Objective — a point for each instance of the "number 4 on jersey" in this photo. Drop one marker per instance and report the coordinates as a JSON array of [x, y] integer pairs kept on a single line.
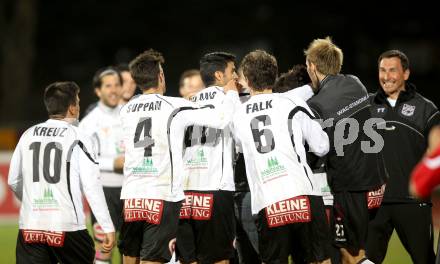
[[144, 125]]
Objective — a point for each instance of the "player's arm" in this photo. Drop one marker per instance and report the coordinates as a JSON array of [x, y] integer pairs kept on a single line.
[[92, 189], [313, 134], [218, 117], [426, 175], [304, 92], [106, 163], [15, 176]]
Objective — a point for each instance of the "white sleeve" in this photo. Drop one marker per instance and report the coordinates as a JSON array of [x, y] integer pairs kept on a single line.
[[218, 117], [15, 176], [304, 92], [313, 134], [92, 187]]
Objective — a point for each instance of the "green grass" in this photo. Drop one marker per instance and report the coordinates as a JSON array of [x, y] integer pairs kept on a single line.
[[396, 252]]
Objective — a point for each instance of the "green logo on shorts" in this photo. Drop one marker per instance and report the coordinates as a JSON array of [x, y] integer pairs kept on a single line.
[[274, 170], [146, 169]]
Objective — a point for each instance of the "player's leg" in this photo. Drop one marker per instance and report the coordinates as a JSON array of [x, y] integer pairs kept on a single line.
[[246, 231], [115, 206], [315, 236], [380, 229], [78, 248], [414, 227], [130, 240], [157, 237], [273, 242], [215, 235], [351, 225], [186, 244]]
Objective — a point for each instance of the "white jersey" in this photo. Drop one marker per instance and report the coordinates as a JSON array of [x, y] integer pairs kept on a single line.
[[50, 169], [209, 153], [153, 127], [319, 180], [272, 130], [104, 127]]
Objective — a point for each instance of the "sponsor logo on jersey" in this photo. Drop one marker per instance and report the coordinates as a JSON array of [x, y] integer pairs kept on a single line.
[[408, 110], [273, 171], [139, 209], [197, 206], [53, 239], [197, 162], [292, 210], [147, 169], [47, 202], [375, 197]]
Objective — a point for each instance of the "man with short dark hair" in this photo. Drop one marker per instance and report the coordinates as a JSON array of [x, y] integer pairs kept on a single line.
[[208, 174], [103, 126], [271, 129], [52, 166], [152, 190], [408, 119]]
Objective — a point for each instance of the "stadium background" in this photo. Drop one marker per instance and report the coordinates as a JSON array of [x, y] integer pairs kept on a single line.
[[45, 41]]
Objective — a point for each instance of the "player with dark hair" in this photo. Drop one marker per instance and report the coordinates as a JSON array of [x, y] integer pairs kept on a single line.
[[152, 190], [52, 167]]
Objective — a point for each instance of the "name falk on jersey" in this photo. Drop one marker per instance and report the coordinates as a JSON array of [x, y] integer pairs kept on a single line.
[[258, 106], [49, 131], [149, 106]]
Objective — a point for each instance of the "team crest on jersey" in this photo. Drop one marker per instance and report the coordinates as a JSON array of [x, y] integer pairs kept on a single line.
[[292, 210], [375, 197], [139, 209], [47, 202], [53, 239], [197, 206], [199, 161], [408, 110], [147, 169], [273, 171]]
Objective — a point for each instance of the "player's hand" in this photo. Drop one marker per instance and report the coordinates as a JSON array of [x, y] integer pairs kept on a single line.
[[118, 164], [108, 243], [172, 245], [232, 85]]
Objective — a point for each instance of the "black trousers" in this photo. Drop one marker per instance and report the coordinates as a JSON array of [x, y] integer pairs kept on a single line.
[[413, 224]]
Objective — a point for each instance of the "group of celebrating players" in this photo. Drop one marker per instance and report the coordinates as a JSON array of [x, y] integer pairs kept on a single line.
[[257, 165]]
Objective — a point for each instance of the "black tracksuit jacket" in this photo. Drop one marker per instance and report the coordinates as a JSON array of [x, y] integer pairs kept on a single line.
[[405, 137]]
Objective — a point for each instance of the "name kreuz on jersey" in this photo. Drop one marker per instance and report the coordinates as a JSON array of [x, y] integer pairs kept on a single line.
[[292, 210]]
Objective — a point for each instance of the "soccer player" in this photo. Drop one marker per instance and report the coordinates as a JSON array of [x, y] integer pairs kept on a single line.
[[206, 232], [341, 101], [152, 190], [190, 83], [272, 129], [51, 167], [408, 118], [103, 125]]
